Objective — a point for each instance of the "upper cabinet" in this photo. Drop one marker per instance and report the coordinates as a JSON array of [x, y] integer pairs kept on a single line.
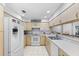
[[35, 24], [28, 26], [72, 13], [1, 18], [44, 26], [55, 21]]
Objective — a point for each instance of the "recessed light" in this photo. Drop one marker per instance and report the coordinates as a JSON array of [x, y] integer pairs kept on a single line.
[[48, 11]]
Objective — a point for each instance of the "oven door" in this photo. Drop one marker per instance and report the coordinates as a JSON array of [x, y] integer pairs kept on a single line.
[[35, 41]]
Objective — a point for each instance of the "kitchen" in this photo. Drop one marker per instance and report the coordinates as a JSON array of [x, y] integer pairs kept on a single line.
[[38, 29]]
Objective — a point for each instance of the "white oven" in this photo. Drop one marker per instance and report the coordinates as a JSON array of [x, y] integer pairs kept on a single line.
[[35, 37]]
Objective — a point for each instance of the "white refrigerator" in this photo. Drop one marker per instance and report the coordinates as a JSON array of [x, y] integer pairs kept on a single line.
[[13, 42]]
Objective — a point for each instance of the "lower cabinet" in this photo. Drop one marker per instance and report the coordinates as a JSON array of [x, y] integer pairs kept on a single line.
[[42, 40], [61, 52], [53, 49], [28, 40], [1, 43], [48, 46]]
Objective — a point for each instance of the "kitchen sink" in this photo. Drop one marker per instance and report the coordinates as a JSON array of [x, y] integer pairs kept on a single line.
[[54, 38]]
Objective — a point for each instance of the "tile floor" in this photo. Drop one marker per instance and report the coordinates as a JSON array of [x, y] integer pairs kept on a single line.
[[35, 51]]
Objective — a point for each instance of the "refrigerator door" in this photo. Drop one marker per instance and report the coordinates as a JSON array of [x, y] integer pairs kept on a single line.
[[16, 46]]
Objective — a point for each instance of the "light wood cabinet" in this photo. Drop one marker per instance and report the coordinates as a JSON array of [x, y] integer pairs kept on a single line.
[[69, 15], [1, 18], [29, 26], [42, 40], [1, 30], [44, 26], [61, 53], [36, 25], [48, 46], [28, 40], [1, 43]]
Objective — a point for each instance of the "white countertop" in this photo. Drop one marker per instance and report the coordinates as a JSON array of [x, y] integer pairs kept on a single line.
[[69, 47]]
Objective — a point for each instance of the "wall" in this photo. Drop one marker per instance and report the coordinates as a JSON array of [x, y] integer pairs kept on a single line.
[[1, 29]]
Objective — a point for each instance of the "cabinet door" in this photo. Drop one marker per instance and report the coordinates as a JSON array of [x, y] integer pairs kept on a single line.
[[1, 43], [28, 40], [42, 41], [61, 52], [53, 49], [28, 26], [70, 14], [1, 18], [1, 30], [35, 25], [44, 26]]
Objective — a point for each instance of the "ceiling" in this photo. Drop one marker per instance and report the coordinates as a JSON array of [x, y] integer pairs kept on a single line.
[[35, 11]]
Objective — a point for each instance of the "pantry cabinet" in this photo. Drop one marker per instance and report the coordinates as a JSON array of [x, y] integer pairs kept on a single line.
[[1, 29], [1, 18], [1, 43]]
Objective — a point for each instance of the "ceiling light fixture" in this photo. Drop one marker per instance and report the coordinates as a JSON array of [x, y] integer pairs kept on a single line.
[[48, 11]]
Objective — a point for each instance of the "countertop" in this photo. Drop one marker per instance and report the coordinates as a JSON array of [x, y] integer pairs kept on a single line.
[[68, 46]]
